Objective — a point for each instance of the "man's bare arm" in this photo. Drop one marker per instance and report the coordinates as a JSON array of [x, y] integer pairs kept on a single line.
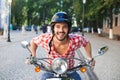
[[33, 48]]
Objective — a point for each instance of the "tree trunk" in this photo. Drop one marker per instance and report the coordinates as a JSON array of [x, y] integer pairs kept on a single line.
[[111, 24]]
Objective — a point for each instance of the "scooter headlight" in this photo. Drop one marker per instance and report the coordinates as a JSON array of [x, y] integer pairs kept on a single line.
[[59, 65]]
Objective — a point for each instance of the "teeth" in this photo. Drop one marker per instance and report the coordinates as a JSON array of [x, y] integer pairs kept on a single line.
[[61, 34]]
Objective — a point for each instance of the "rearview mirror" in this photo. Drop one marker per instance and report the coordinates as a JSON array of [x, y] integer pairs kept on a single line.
[[25, 44], [102, 50]]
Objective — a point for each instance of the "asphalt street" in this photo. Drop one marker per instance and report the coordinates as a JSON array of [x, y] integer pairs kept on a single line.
[[12, 57]]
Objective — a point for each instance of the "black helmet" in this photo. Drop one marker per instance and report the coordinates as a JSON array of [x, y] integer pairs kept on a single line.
[[61, 17]]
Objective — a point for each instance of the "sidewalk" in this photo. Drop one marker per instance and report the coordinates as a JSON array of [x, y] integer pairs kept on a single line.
[[16, 36]]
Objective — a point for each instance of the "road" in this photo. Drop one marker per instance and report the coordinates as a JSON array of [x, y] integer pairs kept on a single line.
[[12, 58]]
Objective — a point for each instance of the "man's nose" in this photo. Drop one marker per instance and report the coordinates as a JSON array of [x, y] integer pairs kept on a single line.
[[61, 29]]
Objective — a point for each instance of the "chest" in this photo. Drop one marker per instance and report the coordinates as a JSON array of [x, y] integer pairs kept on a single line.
[[62, 49]]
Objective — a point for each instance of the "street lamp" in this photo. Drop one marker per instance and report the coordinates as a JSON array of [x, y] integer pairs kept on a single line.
[[84, 1], [9, 2]]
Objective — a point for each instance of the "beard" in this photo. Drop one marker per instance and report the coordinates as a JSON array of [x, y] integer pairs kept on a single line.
[[61, 36]]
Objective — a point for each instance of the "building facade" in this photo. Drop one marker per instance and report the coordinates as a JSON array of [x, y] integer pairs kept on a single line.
[[4, 16], [115, 31]]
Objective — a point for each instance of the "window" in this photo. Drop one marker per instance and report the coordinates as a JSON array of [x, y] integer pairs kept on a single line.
[[116, 21]]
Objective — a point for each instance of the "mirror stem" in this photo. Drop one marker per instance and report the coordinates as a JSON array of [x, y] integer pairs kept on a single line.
[[29, 50]]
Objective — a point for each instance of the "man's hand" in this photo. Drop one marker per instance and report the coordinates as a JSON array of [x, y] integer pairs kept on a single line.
[[92, 62], [27, 61], [33, 60]]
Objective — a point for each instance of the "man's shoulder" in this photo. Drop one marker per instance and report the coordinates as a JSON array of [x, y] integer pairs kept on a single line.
[[74, 35]]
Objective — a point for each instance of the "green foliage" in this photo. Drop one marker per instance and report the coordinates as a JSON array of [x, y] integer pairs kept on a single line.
[[28, 12], [19, 12]]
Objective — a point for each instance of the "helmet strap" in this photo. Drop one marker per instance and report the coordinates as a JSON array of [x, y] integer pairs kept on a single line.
[[50, 44]]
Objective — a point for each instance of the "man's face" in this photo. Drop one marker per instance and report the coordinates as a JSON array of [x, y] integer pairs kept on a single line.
[[61, 31]]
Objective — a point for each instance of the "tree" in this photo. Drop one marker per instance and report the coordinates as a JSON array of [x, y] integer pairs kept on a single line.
[[18, 12], [37, 11]]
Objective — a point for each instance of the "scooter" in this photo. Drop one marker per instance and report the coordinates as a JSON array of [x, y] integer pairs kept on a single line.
[[59, 66]]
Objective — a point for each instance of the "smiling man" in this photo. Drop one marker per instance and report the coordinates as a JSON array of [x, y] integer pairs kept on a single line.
[[61, 31], [60, 43]]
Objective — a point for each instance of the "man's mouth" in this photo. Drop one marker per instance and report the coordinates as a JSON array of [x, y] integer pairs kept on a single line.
[[61, 34]]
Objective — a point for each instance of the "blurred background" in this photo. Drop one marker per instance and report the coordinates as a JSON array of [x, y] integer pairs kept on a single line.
[[101, 16]]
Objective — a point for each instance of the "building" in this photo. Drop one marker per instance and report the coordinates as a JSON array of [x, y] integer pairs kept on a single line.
[[113, 33], [4, 16]]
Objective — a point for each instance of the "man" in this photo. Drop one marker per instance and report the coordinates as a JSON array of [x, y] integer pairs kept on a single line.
[[60, 43]]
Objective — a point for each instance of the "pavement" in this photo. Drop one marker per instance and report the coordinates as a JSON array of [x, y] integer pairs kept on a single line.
[[16, 36], [12, 57]]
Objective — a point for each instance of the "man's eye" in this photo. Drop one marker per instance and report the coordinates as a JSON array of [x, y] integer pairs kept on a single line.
[[57, 26], [65, 26]]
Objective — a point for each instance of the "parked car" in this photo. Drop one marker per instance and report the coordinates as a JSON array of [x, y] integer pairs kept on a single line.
[[29, 28], [89, 29], [86, 29], [16, 27], [75, 29]]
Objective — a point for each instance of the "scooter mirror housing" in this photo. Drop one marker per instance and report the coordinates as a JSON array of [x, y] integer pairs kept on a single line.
[[102, 50], [25, 44]]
